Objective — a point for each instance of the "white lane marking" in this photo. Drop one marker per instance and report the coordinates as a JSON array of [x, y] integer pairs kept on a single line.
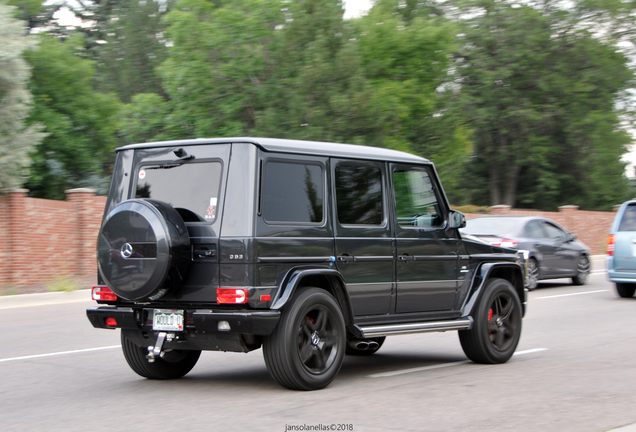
[[417, 369], [443, 365], [58, 353], [50, 303], [530, 351], [573, 294]]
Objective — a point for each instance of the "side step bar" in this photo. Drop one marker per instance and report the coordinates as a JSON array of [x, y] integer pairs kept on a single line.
[[422, 327]]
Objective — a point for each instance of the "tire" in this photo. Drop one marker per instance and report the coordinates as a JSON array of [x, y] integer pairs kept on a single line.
[[349, 350], [625, 290], [307, 347], [582, 270], [171, 365], [533, 274], [496, 329]]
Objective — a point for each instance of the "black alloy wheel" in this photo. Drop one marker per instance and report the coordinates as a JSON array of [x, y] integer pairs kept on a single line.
[[582, 270], [496, 329], [533, 273], [306, 350]]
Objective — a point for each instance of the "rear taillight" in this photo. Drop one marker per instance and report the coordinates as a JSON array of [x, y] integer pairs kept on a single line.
[[507, 243], [611, 239], [103, 293], [232, 295]]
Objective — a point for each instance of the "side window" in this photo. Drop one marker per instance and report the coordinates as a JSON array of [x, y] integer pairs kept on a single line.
[[415, 199], [554, 232], [292, 192], [534, 230], [628, 222], [359, 194]]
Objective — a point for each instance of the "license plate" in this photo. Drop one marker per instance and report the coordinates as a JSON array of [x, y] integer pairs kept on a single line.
[[167, 320]]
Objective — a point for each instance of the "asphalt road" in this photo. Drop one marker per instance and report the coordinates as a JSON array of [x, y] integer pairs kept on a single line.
[[574, 370]]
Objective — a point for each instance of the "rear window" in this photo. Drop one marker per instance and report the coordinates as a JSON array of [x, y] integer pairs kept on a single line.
[[490, 226], [193, 186], [628, 222]]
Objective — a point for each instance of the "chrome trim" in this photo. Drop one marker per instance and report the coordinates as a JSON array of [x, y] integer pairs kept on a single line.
[[421, 327]]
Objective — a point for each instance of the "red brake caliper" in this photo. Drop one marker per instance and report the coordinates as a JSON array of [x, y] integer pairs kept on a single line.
[[490, 313]]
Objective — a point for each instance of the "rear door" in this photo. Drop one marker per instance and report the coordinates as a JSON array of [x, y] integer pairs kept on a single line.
[[363, 237]]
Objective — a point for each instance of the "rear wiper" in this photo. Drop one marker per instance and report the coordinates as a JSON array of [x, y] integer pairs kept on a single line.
[[183, 157]]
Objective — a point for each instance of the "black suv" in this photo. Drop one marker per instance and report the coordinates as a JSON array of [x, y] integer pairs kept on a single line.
[[310, 250]]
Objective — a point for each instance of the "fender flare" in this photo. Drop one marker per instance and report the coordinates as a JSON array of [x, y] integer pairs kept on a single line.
[[294, 276], [511, 272]]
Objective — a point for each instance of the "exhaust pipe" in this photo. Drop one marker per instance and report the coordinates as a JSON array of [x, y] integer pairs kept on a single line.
[[372, 345], [359, 344]]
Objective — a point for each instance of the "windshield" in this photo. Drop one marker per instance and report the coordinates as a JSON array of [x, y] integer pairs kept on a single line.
[[193, 186], [490, 226]]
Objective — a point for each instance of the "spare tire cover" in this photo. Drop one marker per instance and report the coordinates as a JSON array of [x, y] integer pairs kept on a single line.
[[140, 244]]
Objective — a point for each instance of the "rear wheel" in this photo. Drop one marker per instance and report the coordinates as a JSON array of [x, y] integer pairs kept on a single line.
[[306, 350], [496, 329], [170, 365], [582, 271], [625, 289]]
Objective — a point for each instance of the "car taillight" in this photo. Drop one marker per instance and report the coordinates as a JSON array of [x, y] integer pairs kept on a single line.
[[232, 295], [103, 293], [611, 239], [507, 243]]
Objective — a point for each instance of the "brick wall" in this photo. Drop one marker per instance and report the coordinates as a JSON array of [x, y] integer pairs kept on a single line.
[[45, 240], [42, 240], [591, 227]]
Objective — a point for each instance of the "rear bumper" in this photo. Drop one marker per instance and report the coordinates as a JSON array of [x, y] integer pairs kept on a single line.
[[197, 320], [620, 276]]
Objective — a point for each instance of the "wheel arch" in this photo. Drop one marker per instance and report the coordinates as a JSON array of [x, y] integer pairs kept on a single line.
[[328, 279], [509, 271]]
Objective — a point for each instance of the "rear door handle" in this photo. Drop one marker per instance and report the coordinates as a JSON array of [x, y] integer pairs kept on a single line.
[[405, 258]]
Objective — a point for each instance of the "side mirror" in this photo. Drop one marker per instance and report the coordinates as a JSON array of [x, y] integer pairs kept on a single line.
[[571, 237], [456, 220]]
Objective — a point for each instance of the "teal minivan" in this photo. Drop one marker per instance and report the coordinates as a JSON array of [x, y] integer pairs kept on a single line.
[[621, 250]]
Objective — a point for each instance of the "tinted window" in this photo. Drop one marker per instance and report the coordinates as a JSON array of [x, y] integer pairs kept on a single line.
[[628, 222], [534, 230], [415, 199], [292, 192], [359, 194], [192, 186]]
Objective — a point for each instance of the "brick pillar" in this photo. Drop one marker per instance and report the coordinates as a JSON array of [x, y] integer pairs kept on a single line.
[[501, 209], [16, 262], [82, 200]]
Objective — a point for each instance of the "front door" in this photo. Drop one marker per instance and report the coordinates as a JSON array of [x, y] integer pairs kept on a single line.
[[427, 253]]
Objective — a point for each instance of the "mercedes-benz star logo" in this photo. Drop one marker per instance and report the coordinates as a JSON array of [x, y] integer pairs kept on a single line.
[[126, 250]]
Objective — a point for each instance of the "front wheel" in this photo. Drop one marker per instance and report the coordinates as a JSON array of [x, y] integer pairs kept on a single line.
[[582, 271], [170, 365], [533, 274], [307, 347], [625, 290], [496, 329]]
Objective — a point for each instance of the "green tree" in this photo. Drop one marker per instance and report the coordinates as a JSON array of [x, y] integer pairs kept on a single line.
[[539, 90], [81, 123], [16, 138]]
